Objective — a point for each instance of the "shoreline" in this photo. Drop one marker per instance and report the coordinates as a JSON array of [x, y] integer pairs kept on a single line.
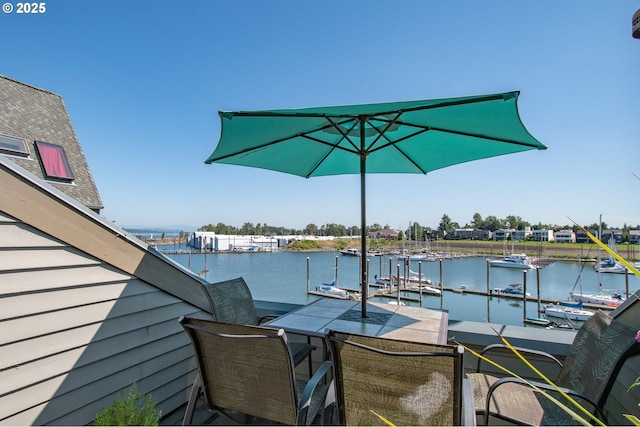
[[490, 248]]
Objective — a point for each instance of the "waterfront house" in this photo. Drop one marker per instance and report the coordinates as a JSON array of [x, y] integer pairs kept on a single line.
[[618, 236], [385, 233], [564, 236], [582, 237], [85, 308], [502, 234], [542, 236], [634, 237], [521, 235], [460, 234]]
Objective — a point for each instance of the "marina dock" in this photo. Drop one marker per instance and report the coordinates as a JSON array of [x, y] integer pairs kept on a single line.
[[412, 294]]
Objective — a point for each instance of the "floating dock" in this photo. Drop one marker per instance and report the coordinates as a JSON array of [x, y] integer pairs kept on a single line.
[[383, 291]]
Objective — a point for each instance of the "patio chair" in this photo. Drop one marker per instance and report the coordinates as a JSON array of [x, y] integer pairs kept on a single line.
[[231, 302], [407, 383], [599, 350], [249, 370]]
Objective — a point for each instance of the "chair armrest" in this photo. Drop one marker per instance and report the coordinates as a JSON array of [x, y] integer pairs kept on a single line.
[[468, 407], [541, 385], [307, 393], [267, 317], [525, 351]]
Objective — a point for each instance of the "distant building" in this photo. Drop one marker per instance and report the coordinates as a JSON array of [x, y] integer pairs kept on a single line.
[[521, 235], [542, 236], [460, 234], [564, 236], [634, 237], [582, 237], [385, 233], [617, 234], [482, 235], [502, 234], [210, 241]]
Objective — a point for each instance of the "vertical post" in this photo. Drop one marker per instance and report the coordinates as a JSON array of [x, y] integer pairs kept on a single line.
[[364, 283], [335, 276], [368, 268], [420, 280], [441, 287], [308, 275], [488, 278], [538, 287], [626, 282], [488, 291], [398, 288], [524, 295], [390, 274]]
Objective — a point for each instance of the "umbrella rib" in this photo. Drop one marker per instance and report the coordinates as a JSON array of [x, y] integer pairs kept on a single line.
[[382, 133], [300, 134], [449, 103]]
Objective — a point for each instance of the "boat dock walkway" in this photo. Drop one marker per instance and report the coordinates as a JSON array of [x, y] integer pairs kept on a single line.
[[413, 294]]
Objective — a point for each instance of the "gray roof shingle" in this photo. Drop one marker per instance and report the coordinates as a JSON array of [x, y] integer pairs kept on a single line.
[[34, 114]]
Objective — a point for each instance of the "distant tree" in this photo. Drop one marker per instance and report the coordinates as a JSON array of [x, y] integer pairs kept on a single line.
[[311, 229], [477, 221], [208, 227], [515, 222], [247, 229], [492, 223], [446, 225]]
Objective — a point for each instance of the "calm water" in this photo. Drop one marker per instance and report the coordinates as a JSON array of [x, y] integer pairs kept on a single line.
[[282, 277]]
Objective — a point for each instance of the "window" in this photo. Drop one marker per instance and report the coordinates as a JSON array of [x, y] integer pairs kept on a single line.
[[13, 145], [54, 161]]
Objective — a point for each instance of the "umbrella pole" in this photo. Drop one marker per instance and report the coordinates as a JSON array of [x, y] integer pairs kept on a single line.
[[364, 281]]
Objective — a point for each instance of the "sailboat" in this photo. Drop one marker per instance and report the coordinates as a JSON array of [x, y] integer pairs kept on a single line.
[[568, 311], [613, 300], [610, 265]]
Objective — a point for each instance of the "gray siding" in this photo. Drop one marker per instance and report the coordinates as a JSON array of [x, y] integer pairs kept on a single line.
[[77, 331]]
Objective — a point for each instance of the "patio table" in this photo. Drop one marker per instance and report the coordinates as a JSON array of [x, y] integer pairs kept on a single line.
[[383, 320]]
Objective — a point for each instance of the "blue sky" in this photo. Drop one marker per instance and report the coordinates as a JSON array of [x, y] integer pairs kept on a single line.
[[143, 81]]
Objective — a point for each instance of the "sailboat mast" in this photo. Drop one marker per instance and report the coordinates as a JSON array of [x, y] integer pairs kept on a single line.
[[599, 252]]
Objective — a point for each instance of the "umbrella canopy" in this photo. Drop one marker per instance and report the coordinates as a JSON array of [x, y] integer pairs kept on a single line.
[[397, 137]]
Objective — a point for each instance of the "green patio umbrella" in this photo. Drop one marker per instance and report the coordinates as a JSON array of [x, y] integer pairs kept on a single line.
[[396, 137]]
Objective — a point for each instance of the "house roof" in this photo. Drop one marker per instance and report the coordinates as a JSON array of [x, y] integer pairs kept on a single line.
[[34, 114], [40, 205], [384, 232]]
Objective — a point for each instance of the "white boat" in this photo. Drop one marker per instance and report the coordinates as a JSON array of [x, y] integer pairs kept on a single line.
[[331, 289], [413, 280], [350, 252], [612, 300], [567, 312], [610, 266], [417, 257], [513, 260], [429, 290]]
